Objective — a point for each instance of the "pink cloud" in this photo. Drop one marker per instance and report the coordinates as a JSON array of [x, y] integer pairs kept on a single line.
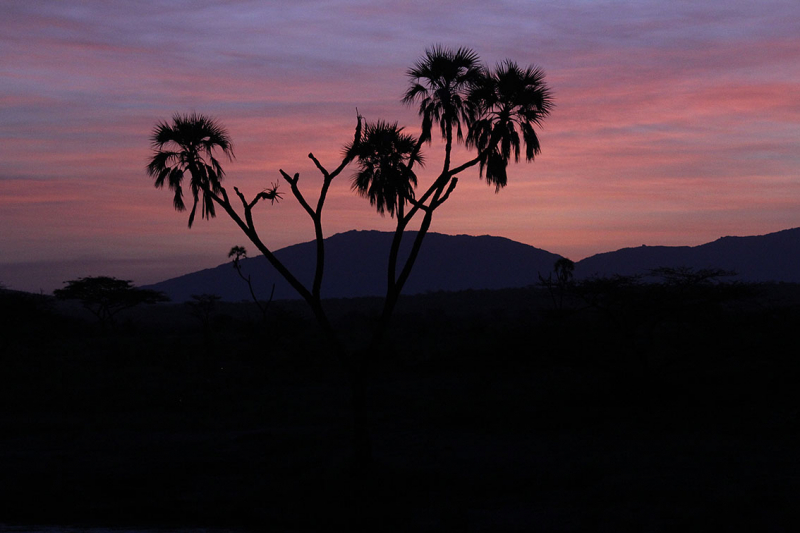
[[674, 124]]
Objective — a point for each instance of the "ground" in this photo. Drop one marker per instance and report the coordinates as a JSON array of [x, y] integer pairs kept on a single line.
[[491, 411]]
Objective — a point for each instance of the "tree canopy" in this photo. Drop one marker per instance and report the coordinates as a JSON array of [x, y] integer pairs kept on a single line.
[[384, 156], [187, 144], [105, 296], [499, 108]]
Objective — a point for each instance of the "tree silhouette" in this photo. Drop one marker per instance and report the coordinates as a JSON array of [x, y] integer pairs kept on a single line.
[[452, 89], [236, 254], [510, 100], [557, 288], [188, 145], [441, 82], [688, 277], [106, 296], [384, 156], [203, 307]]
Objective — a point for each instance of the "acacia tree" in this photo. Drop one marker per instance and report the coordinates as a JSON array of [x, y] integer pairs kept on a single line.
[[452, 90], [105, 296]]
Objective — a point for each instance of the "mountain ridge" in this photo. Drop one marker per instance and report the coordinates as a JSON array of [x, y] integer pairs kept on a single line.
[[756, 258], [356, 264]]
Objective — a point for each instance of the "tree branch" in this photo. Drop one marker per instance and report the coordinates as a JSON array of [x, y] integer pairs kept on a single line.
[[468, 164], [319, 166], [415, 203], [251, 233], [356, 139], [443, 199], [241, 197], [296, 192]]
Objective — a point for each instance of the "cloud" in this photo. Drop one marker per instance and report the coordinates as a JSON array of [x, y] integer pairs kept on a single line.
[[675, 121]]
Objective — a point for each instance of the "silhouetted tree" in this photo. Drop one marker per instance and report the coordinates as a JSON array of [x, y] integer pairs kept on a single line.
[[563, 269], [686, 294], [106, 296], [440, 83], [237, 253], [203, 306], [384, 156], [689, 277], [187, 145], [509, 100], [453, 89]]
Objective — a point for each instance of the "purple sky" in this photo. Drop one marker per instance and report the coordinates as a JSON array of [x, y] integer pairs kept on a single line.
[[676, 122]]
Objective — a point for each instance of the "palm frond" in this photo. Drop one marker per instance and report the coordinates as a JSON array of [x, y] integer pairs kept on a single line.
[[508, 101], [161, 176], [177, 200], [383, 155], [162, 134], [175, 177], [188, 144], [440, 82], [416, 91], [160, 161]]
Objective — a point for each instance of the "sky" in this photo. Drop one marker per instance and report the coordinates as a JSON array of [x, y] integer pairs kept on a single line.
[[676, 122]]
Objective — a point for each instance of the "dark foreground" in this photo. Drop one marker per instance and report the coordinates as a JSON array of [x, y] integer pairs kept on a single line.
[[492, 411]]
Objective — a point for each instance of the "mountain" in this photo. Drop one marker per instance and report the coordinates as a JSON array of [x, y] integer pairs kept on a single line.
[[356, 264], [771, 257]]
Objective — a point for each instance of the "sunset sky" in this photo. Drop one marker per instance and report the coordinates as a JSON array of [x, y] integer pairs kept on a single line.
[[676, 122]]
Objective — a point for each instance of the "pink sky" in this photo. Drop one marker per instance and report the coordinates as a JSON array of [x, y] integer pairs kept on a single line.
[[676, 122]]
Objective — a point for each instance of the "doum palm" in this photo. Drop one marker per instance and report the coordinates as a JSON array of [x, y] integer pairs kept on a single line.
[[187, 144], [384, 155], [508, 101], [441, 82], [453, 91], [499, 107]]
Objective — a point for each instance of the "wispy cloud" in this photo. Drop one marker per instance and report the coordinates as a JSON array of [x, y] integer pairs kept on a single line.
[[676, 122]]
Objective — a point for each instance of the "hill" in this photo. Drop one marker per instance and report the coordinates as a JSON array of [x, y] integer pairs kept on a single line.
[[771, 257], [356, 264]]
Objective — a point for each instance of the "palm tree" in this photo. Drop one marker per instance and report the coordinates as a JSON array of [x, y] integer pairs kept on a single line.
[[188, 144], [440, 83], [383, 155], [509, 100]]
